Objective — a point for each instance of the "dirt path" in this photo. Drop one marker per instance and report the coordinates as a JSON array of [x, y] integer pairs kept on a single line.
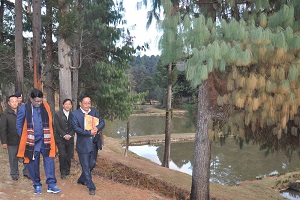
[[106, 189]]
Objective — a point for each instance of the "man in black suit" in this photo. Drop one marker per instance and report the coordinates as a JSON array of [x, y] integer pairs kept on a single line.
[[64, 137], [88, 142]]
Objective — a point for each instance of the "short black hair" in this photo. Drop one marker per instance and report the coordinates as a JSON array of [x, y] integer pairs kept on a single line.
[[36, 93], [18, 94], [64, 101], [11, 97], [82, 96]]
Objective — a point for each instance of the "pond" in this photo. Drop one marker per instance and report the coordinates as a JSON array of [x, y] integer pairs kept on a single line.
[[229, 164], [146, 125]]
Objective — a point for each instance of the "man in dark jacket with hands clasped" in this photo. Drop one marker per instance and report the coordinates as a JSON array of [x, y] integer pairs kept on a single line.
[[64, 137]]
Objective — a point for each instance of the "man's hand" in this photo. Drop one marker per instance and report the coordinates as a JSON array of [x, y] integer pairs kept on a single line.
[[94, 131], [4, 146], [67, 137]]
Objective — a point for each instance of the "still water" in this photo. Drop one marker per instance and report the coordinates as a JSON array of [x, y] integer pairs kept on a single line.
[[229, 164], [146, 125]]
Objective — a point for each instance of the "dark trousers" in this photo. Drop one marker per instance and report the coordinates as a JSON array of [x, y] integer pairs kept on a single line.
[[13, 162], [49, 168], [88, 162], [66, 153]]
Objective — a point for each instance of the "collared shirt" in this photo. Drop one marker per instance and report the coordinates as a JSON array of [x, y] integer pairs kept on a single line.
[[87, 113], [84, 111], [66, 113]]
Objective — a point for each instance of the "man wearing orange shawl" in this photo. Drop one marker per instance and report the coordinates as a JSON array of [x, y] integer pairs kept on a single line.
[[34, 126]]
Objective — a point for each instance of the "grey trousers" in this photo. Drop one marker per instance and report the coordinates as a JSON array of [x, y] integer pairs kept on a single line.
[[13, 162]]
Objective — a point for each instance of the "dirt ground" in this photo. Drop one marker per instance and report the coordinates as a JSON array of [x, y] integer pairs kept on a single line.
[[106, 189]]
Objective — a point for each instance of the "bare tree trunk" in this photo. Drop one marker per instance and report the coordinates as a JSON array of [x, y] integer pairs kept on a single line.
[[19, 85], [201, 167], [76, 58], [1, 21], [167, 151], [127, 140], [37, 44], [30, 56], [64, 60], [64, 70], [48, 76]]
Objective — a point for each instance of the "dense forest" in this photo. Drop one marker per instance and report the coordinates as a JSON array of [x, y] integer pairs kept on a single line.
[[147, 75]]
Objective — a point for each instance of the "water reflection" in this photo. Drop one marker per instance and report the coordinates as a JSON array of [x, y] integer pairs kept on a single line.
[[291, 194], [146, 125], [229, 163]]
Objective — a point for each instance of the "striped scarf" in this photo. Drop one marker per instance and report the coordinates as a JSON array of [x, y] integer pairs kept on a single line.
[[29, 149]]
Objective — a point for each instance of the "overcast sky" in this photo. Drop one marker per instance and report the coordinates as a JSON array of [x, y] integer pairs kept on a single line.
[[138, 19]]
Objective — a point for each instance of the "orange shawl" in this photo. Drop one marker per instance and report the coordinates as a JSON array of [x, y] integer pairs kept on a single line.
[[23, 140]]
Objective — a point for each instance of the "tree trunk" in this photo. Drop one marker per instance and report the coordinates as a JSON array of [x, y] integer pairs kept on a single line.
[[64, 70], [48, 76], [19, 85], [37, 44], [201, 167], [167, 152], [30, 56], [76, 61], [1, 21], [127, 140]]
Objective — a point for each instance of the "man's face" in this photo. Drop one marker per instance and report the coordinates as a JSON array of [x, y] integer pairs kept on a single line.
[[36, 102], [13, 102], [85, 104], [67, 106], [20, 99]]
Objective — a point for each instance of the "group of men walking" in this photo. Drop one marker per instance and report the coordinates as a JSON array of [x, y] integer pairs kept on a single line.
[[28, 130]]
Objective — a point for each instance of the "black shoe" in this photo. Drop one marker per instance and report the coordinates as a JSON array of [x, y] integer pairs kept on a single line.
[[91, 191], [26, 176], [15, 178], [80, 182], [63, 176]]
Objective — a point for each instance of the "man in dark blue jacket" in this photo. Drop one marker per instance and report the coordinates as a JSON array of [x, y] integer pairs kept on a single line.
[[88, 142]]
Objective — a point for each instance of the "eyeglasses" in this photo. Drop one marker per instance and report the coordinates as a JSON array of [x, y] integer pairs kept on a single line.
[[39, 101]]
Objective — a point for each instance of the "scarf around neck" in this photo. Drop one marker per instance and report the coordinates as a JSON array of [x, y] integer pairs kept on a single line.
[[26, 148]]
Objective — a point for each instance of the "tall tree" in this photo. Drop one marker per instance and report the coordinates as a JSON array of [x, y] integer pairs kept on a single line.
[[1, 20], [257, 54], [64, 54], [48, 69], [37, 44], [168, 124], [171, 46], [19, 85]]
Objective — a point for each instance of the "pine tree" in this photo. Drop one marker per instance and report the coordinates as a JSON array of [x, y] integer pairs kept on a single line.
[[259, 55]]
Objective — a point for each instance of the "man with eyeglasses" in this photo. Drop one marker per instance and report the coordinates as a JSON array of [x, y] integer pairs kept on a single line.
[[88, 142], [34, 126]]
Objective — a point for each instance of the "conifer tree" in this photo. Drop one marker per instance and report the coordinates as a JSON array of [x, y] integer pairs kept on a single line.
[[259, 56]]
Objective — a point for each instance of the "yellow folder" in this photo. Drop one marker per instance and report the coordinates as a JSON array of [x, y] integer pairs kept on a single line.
[[90, 122]]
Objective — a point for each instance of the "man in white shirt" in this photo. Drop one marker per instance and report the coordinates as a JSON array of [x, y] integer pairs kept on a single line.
[[64, 137]]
